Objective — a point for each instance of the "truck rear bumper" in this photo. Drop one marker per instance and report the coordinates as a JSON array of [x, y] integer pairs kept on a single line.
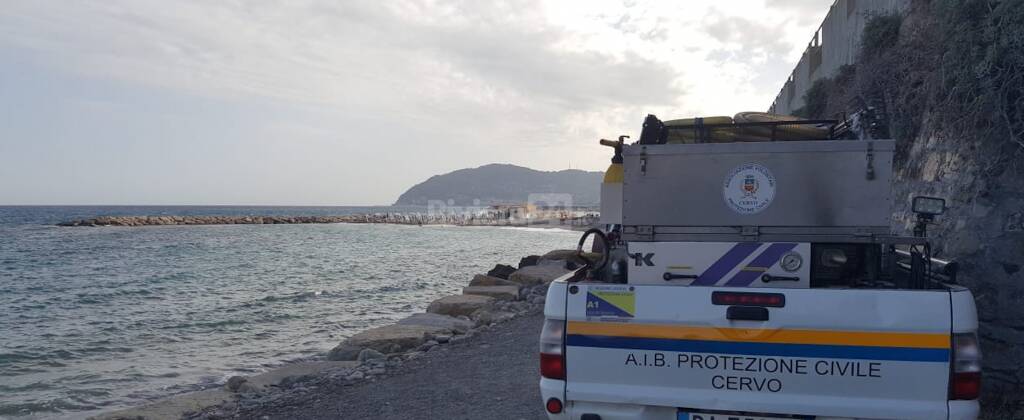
[[608, 411], [964, 410], [958, 410]]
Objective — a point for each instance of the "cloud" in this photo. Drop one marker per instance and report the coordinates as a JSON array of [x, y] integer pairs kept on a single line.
[[419, 60], [806, 11], [748, 50], [436, 84], [747, 35]]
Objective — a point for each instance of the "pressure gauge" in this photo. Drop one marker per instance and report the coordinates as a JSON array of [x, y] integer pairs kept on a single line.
[[792, 262]]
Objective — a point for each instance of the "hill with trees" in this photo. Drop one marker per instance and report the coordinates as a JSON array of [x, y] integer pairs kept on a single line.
[[504, 184]]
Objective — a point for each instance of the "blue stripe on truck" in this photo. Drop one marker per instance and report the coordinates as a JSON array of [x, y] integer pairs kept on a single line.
[[905, 354], [765, 260], [726, 263]]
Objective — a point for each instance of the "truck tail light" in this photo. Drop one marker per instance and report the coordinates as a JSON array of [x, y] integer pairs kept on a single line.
[[775, 300], [965, 380], [554, 405], [552, 349]]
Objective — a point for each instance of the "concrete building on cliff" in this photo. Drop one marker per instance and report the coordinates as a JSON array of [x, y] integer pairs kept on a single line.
[[832, 46]]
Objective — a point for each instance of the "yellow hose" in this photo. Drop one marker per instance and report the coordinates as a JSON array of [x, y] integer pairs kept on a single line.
[[692, 130], [782, 132]]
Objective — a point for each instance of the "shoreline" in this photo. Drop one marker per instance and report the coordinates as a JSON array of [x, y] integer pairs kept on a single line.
[[489, 300], [408, 219]]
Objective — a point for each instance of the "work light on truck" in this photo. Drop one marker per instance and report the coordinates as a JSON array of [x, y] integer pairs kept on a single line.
[[966, 381], [552, 354], [928, 206]]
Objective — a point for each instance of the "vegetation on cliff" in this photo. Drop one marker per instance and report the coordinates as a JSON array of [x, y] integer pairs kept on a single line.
[[949, 65], [946, 80]]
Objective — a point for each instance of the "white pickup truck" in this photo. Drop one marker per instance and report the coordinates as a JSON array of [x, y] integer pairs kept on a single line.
[[756, 281]]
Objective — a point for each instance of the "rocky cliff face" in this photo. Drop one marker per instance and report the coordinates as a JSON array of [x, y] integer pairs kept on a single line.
[[960, 116], [983, 230], [946, 80]]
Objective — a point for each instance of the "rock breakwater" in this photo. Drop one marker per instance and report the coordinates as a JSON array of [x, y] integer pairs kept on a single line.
[[210, 220], [386, 218]]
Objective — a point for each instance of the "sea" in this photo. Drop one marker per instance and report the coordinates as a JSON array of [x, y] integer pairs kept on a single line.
[[99, 318]]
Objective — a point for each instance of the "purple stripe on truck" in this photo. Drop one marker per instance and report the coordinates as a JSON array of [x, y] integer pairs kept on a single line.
[[767, 259], [724, 265]]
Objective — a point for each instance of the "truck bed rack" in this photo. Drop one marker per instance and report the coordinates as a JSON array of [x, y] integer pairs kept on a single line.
[[656, 132]]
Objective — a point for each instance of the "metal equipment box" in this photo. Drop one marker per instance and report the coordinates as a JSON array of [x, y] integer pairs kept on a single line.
[[793, 190]]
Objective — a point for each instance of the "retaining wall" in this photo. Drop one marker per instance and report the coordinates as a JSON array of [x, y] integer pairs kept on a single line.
[[833, 45]]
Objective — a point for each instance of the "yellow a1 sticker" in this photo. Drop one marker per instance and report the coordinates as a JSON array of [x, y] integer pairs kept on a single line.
[[611, 301]]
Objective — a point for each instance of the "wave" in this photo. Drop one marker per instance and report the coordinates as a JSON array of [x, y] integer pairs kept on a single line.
[[536, 229], [246, 298], [297, 297], [37, 358], [210, 324], [87, 298]]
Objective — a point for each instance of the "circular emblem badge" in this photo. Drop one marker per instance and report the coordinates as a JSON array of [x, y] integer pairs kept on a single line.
[[749, 188]]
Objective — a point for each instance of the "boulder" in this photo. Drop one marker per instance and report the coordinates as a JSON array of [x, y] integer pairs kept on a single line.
[[427, 345], [501, 271], [386, 339], [344, 352], [561, 257], [497, 292], [291, 373], [235, 382], [369, 354], [540, 289], [176, 407], [486, 316], [560, 254], [482, 280], [528, 261], [456, 305], [452, 324], [537, 274], [247, 388]]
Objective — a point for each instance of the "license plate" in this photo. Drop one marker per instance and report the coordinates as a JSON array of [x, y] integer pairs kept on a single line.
[[685, 415]]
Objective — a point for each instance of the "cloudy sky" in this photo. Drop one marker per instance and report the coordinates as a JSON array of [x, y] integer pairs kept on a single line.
[[351, 102]]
